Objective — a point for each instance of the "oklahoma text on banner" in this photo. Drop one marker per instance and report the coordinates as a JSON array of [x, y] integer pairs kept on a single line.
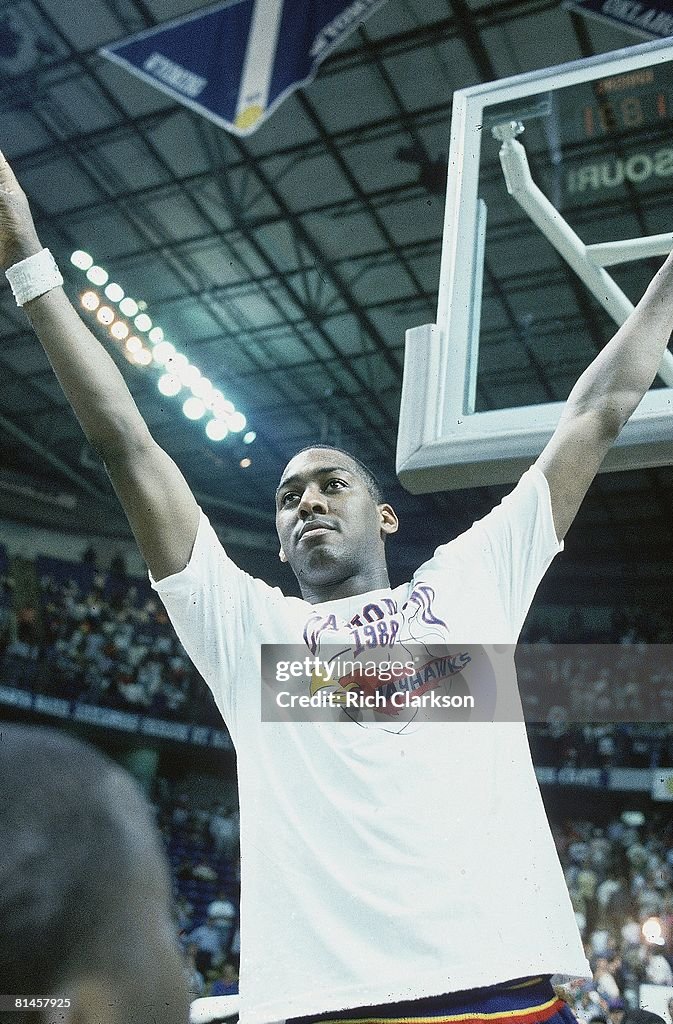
[[652, 19]]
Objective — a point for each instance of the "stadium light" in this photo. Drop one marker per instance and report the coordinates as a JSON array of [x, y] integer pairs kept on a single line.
[[163, 352], [105, 315], [82, 260], [193, 408], [114, 292], [177, 371], [129, 307], [189, 375], [177, 362], [221, 406], [143, 322], [169, 385], [119, 330], [90, 301], [97, 276], [216, 430], [202, 388], [236, 422]]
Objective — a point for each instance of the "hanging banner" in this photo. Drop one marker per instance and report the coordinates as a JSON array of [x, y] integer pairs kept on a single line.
[[236, 62], [652, 19]]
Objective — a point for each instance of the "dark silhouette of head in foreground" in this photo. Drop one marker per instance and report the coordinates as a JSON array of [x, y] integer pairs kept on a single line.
[[642, 1017], [85, 899]]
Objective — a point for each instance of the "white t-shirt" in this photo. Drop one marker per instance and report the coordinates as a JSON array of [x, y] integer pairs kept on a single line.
[[382, 864]]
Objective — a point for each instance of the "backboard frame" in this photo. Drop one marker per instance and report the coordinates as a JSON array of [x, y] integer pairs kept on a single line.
[[442, 445]]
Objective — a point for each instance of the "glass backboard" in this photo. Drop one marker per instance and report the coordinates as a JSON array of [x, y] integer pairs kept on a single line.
[[559, 209]]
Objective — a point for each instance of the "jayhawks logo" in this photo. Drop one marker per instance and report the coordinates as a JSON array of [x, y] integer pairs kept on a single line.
[[393, 654]]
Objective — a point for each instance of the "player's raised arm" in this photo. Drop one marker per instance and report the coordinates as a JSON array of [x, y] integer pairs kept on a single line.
[[159, 505], [604, 397]]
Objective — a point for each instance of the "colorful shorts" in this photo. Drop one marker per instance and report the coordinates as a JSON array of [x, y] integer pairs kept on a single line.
[[527, 1001]]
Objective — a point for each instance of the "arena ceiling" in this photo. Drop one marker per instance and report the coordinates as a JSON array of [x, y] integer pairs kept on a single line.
[[288, 266]]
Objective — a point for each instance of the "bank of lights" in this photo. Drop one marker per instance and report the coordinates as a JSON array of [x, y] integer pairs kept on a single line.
[[142, 342]]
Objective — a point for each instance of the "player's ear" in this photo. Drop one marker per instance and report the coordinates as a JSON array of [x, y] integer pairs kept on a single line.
[[388, 519], [282, 555]]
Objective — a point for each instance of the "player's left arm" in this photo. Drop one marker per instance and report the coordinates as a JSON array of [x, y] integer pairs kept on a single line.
[[604, 398]]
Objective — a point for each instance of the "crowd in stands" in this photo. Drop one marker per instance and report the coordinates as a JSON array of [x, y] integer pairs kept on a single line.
[[625, 681], [105, 639], [597, 745], [620, 880], [202, 846]]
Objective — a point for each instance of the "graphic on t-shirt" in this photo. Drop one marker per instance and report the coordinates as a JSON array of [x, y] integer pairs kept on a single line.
[[378, 623], [388, 649]]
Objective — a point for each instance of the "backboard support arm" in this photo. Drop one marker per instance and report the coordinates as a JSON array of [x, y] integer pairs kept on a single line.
[[580, 257]]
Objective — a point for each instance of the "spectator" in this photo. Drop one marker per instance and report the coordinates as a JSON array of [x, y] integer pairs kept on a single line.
[[586, 1005], [119, 651], [222, 913], [208, 942], [89, 556], [605, 983], [118, 566], [605, 891], [600, 941], [227, 982], [616, 1011], [224, 831], [8, 622], [181, 813], [195, 980], [657, 969], [183, 913], [203, 871]]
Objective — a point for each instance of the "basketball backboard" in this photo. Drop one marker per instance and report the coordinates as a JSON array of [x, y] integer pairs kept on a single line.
[[534, 280]]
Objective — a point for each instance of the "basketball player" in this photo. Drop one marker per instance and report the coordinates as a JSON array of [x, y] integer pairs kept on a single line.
[[391, 869], [85, 914]]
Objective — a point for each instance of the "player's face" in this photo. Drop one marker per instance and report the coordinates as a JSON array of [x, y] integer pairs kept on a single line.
[[329, 525]]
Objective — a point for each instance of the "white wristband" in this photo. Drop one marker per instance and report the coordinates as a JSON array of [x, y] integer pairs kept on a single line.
[[33, 276]]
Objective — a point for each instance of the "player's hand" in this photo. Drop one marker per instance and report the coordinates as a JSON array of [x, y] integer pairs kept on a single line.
[[18, 237]]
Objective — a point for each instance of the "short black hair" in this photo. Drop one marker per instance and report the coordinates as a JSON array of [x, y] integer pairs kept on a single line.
[[365, 473], [71, 823], [638, 1016]]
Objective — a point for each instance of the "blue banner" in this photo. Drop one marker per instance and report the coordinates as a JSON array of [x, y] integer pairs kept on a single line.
[[652, 19], [110, 718], [234, 63]]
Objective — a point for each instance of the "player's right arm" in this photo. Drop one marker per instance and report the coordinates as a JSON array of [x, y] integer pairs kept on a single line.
[[158, 503]]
